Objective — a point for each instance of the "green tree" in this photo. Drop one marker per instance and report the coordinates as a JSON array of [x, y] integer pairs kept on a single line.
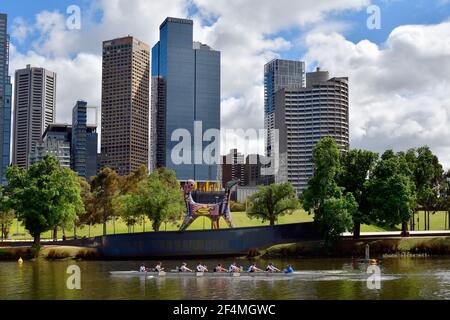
[[7, 215], [391, 191], [273, 201], [428, 177], [104, 187], [87, 216], [445, 196], [129, 209], [44, 196], [323, 197], [158, 196], [357, 166], [123, 203], [129, 183]]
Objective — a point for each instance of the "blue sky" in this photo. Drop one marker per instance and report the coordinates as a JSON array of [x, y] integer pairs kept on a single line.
[[394, 13]]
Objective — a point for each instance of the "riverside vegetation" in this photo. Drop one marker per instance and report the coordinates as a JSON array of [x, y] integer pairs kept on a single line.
[[349, 189]]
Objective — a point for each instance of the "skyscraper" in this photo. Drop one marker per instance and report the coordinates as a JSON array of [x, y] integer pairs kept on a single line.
[[84, 142], [34, 110], [279, 74], [55, 142], [233, 167], [185, 89], [304, 116], [125, 104], [5, 98]]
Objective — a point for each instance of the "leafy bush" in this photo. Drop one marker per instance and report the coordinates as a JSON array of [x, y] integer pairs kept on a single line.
[[237, 206]]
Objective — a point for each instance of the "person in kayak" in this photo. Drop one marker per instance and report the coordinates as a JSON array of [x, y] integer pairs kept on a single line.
[[159, 267], [184, 268], [201, 268], [234, 268], [219, 268], [272, 268], [142, 268], [289, 269], [253, 268]]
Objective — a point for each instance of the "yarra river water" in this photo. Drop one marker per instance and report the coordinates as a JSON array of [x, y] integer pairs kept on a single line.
[[401, 278]]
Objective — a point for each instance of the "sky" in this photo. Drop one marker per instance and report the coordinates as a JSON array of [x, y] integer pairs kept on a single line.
[[398, 62]]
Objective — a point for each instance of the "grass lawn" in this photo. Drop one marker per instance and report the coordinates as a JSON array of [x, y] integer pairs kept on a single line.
[[240, 219]]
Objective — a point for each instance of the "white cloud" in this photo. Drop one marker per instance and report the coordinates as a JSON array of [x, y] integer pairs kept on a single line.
[[20, 29], [398, 91]]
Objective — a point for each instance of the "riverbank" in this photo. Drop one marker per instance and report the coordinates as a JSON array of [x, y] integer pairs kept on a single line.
[[356, 248], [411, 246], [48, 252]]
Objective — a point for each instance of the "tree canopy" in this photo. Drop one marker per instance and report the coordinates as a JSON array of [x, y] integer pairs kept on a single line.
[[333, 209], [392, 196], [44, 196], [357, 167], [273, 201]]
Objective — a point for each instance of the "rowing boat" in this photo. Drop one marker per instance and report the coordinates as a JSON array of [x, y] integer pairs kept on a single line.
[[175, 273]]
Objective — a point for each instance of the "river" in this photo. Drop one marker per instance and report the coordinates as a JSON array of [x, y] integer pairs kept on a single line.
[[401, 278]]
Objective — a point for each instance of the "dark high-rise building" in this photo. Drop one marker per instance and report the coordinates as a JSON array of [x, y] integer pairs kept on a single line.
[[125, 104], [56, 142], [252, 171], [304, 116], [34, 110], [233, 167], [84, 142], [5, 98], [185, 89]]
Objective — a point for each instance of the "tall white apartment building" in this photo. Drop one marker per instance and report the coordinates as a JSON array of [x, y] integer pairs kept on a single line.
[[34, 110]]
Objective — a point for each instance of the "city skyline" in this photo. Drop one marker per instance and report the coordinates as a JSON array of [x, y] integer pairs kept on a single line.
[[336, 46]]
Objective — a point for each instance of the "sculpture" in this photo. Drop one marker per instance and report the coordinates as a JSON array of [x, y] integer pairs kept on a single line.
[[212, 211]]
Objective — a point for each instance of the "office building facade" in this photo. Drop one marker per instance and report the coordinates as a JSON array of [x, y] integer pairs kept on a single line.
[[185, 89], [303, 117], [125, 104], [34, 110], [84, 142], [233, 167], [279, 74], [56, 141], [5, 98]]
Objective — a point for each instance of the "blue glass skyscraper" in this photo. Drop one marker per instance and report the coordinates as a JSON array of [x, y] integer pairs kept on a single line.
[[185, 89], [84, 142], [5, 98]]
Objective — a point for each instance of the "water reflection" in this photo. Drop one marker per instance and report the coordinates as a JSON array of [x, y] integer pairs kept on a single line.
[[402, 278]]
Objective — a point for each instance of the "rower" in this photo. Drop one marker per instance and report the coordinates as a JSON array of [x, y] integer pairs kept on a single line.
[[272, 268], [289, 269], [219, 268], [253, 268], [234, 268], [159, 267], [142, 268], [201, 268], [184, 268]]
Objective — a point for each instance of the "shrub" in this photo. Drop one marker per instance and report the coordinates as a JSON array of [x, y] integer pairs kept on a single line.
[[237, 206]]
